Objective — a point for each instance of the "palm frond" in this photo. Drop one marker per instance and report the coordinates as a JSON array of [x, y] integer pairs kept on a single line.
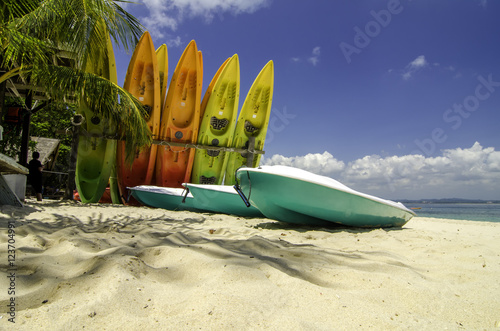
[[21, 50], [102, 96], [11, 9], [33, 32], [73, 24], [10, 74]]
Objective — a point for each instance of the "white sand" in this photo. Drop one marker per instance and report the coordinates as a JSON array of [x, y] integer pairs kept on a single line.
[[107, 267]]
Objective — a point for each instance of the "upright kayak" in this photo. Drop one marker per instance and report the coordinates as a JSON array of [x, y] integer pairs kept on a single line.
[[142, 81], [162, 58], [220, 108], [96, 154], [252, 122], [180, 120]]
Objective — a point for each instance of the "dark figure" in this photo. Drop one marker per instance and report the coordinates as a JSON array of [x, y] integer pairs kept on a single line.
[[35, 168]]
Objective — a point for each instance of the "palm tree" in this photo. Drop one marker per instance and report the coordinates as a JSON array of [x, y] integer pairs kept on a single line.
[[34, 34]]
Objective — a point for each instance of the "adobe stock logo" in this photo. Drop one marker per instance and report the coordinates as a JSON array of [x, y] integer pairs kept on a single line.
[[278, 121], [457, 113], [372, 29]]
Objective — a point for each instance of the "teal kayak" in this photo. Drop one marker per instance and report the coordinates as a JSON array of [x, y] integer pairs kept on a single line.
[[220, 199], [163, 197], [297, 196]]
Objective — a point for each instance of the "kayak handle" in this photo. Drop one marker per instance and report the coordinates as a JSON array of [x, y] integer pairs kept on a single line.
[[242, 195], [185, 195], [129, 195]]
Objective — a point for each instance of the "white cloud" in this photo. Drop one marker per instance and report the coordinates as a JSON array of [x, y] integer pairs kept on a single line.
[[414, 66], [419, 62], [454, 71], [464, 173], [324, 164], [314, 58], [208, 8], [158, 18], [168, 14], [174, 42]]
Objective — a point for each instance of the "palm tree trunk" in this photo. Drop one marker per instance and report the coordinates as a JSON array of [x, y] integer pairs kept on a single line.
[[3, 86], [25, 138]]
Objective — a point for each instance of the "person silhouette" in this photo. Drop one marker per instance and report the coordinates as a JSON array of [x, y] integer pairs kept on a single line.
[[35, 168]]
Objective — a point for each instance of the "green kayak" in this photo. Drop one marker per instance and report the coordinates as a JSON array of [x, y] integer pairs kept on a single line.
[[219, 108], [96, 154], [253, 121]]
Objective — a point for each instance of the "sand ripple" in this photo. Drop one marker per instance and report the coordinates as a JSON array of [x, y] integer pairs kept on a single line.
[[127, 268]]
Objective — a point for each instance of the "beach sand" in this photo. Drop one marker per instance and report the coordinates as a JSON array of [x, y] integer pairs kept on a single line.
[[110, 267]]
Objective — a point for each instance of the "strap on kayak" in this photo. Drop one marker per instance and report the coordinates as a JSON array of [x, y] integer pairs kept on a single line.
[[185, 194], [127, 198], [242, 195], [240, 192]]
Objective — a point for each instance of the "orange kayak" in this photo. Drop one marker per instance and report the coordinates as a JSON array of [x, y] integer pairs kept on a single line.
[[142, 81], [180, 120], [162, 58]]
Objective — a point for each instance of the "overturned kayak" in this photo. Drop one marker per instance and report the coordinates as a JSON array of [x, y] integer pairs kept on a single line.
[[220, 199], [297, 196], [163, 197]]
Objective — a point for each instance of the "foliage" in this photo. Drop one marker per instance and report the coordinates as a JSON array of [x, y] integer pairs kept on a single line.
[[11, 143], [35, 36], [54, 121]]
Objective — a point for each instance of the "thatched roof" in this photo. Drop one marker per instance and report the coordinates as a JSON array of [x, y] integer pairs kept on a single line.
[[48, 149]]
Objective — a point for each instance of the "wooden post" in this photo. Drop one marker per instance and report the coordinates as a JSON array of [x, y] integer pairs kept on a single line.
[[25, 136], [71, 185], [251, 150], [3, 86]]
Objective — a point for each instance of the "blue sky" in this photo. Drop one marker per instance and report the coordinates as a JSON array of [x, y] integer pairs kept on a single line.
[[400, 99]]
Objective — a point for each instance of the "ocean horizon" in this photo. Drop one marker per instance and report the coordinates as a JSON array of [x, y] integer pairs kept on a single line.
[[470, 211]]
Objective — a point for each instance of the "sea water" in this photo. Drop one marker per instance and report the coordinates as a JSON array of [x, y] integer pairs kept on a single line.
[[483, 212]]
